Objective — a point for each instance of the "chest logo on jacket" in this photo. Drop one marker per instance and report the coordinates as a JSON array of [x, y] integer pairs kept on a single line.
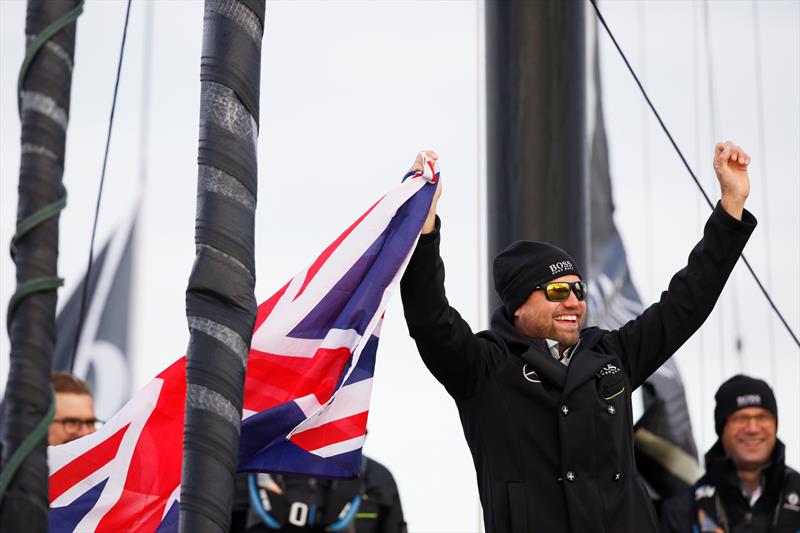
[[704, 491], [608, 370], [792, 502], [530, 375]]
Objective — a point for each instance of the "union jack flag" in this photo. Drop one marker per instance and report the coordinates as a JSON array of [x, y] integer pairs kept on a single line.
[[307, 385]]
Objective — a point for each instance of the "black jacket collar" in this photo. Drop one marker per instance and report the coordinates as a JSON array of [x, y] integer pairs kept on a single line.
[[536, 354], [721, 471], [503, 327]]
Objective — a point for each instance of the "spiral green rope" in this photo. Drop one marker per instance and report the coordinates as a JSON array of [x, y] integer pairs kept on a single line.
[[33, 220], [39, 284], [36, 45], [27, 446]]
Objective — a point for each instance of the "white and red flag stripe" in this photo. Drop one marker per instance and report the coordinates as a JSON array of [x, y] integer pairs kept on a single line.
[[307, 388]]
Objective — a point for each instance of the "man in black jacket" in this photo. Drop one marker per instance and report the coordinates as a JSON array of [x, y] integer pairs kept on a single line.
[[545, 405], [747, 486], [367, 504]]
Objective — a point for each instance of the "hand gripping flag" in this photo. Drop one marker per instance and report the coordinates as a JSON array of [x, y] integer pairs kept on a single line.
[[307, 385]]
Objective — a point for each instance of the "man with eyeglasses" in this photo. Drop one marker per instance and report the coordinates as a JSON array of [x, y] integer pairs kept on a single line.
[[747, 486], [74, 415], [545, 403]]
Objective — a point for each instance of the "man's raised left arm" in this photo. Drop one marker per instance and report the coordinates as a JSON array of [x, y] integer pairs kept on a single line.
[[650, 339]]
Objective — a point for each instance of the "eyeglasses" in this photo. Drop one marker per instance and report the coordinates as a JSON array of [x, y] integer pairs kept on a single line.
[[73, 425], [558, 291], [743, 420]]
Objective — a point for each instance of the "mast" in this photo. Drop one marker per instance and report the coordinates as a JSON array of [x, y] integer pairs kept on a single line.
[[536, 126], [44, 95], [220, 304]]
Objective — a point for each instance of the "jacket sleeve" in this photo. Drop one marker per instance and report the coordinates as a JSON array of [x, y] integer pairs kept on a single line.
[[650, 339], [392, 520], [676, 514], [449, 348], [391, 516]]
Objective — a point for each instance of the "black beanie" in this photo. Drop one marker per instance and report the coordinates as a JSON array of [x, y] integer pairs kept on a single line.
[[526, 264], [740, 392]]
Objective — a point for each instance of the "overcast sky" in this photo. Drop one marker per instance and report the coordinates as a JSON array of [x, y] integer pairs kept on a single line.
[[350, 92]]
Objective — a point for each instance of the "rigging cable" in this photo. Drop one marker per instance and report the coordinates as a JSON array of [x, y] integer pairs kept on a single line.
[[688, 168], [85, 291], [762, 146]]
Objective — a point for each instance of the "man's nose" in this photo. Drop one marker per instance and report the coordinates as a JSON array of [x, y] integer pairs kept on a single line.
[[752, 425], [572, 300]]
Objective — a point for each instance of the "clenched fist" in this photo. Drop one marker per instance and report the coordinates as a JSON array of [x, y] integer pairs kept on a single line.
[[730, 164]]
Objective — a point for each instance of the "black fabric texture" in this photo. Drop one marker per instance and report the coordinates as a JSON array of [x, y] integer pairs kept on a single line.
[[211, 284], [51, 74], [24, 506], [44, 13], [258, 7], [524, 265], [740, 392], [39, 130], [382, 498], [209, 373], [48, 74], [220, 291], [576, 471], [222, 150], [231, 58], [225, 225]]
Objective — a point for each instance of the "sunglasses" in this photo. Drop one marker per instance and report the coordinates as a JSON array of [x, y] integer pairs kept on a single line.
[[558, 291]]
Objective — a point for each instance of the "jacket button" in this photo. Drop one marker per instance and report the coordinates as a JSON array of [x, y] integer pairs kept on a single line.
[[618, 476], [570, 476], [611, 410], [564, 410]]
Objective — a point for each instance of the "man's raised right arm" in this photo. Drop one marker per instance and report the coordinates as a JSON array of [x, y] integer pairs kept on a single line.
[[449, 348]]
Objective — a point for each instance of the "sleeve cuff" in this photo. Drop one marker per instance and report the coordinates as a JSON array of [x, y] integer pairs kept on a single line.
[[433, 236], [748, 222]]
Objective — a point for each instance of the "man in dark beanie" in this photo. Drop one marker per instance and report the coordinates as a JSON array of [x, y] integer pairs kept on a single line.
[[747, 486], [545, 403]]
